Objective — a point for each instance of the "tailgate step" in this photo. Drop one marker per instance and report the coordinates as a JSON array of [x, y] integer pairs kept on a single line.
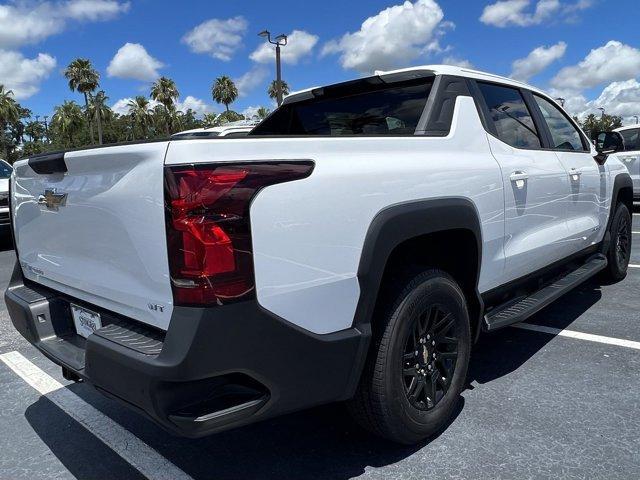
[[522, 308]]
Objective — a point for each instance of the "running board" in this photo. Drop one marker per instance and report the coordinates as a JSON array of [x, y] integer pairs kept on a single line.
[[522, 308]]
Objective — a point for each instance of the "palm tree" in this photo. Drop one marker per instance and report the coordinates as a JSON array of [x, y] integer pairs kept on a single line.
[[164, 90], [67, 120], [224, 91], [85, 79], [140, 114], [9, 109], [99, 110], [272, 91]]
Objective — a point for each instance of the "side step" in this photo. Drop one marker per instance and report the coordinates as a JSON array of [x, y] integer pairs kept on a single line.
[[522, 308]]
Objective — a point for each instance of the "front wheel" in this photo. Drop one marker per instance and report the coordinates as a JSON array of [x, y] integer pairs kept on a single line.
[[619, 253], [418, 362]]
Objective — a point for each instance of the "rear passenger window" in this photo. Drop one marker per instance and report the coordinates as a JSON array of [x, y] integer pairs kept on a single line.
[[564, 135], [510, 116]]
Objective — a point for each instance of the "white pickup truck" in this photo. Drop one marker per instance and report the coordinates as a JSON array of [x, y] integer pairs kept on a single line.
[[352, 247]]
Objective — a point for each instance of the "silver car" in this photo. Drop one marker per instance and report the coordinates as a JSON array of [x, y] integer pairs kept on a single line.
[[631, 154]]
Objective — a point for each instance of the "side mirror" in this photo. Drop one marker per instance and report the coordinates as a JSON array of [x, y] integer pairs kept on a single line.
[[607, 143]]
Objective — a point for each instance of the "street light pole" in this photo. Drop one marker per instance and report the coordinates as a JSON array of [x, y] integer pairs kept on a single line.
[[602, 110], [280, 41], [561, 100], [636, 117]]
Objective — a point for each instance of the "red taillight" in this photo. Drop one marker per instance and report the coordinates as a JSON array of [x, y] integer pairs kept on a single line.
[[208, 228]]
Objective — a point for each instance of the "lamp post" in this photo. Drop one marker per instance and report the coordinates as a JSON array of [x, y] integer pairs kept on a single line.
[[280, 41], [602, 110], [561, 101], [636, 117]]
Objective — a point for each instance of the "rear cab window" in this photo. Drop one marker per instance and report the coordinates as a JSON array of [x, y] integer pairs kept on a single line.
[[364, 107], [631, 139], [509, 114]]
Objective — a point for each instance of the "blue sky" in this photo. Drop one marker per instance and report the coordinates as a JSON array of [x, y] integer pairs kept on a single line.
[[587, 51]]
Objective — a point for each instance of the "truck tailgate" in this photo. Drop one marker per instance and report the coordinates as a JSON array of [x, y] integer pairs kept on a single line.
[[105, 242]]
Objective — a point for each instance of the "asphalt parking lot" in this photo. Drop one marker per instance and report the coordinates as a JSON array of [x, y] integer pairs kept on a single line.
[[559, 399]]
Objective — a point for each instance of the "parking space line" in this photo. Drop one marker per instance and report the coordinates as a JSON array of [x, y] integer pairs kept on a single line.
[[634, 266], [579, 335], [129, 447]]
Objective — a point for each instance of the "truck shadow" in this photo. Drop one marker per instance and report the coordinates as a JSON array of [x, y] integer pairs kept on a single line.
[[315, 444]]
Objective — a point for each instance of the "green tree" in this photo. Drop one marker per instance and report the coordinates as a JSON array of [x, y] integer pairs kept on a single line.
[[99, 110], [272, 91], [85, 79], [165, 92], [224, 91], [262, 113], [210, 120], [35, 131], [9, 115], [140, 115], [228, 116], [66, 122], [603, 123]]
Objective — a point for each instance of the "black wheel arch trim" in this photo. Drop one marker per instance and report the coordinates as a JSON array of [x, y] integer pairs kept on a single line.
[[404, 221]]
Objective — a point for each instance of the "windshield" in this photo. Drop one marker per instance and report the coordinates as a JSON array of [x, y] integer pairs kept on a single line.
[[364, 107], [631, 139], [5, 170]]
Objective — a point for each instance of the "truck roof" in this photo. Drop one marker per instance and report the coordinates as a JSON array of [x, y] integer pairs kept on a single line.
[[627, 127], [426, 70]]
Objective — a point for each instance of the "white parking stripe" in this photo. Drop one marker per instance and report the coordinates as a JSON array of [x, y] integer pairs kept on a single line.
[[133, 450], [634, 266], [579, 335]]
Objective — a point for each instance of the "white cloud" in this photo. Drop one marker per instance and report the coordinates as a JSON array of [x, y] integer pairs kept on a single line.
[[537, 61], [24, 75], [457, 62], [218, 38], [95, 10], [392, 38], [23, 23], [121, 107], [299, 45], [505, 13], [250, 112], [251, 80], [618, 98], [612, 62], [133, 61], [200, 107]]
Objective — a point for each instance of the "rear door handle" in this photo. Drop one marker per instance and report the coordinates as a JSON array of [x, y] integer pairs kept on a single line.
[[519, 178]]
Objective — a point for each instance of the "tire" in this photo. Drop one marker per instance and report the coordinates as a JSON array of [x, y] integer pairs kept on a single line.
[[619, 252], [390, 400]]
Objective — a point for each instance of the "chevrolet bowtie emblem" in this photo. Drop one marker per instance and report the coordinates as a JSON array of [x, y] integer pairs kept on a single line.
[[52, 199]]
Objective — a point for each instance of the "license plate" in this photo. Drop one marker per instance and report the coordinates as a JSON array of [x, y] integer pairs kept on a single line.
[[86, 321]]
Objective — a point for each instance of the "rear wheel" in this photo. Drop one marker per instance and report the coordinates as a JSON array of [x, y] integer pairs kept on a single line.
[[619, 252], [418, 361]]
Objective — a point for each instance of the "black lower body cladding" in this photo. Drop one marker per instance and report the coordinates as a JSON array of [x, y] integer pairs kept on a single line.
[[218, 368]]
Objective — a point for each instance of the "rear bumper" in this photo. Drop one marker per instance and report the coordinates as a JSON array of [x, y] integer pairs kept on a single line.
[[214, 369]]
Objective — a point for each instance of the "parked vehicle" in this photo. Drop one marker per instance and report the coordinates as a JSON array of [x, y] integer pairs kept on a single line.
[[5, 174], [352, 247], [631, 156], [231, 130]]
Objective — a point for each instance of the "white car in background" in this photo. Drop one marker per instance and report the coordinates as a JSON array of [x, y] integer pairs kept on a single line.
[[232, 129], [631, 154], [5, 174]]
